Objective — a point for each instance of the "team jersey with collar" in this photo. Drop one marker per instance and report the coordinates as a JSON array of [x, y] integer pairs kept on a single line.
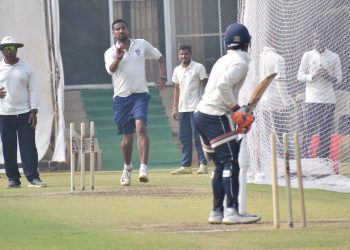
[[130, 76], [189, 81], [21, 86], [224, 83], [319, 90]]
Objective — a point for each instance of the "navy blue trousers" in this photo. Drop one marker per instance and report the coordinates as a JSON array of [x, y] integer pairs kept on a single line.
[[319, 119], [187, 131], [225, 178], [11, 128]]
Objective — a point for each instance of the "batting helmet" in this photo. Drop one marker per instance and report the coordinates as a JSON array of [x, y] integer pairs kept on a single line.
[[236, 34]]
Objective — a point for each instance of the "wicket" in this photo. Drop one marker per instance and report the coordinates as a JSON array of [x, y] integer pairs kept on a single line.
[[276, 216], [81, 149]]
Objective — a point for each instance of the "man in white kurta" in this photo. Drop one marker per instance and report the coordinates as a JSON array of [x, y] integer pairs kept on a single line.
[[320, 69]]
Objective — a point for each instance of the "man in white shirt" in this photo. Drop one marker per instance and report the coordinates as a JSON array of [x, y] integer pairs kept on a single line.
[[219, 140], [189, 79], [320, 68], [276, 102], [125, 62], [19, 101]]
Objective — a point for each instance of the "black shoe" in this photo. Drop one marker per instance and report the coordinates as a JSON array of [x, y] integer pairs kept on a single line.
[[14, 184], [37, 183]]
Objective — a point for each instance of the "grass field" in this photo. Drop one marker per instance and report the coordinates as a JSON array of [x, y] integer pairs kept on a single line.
[[169, 212]]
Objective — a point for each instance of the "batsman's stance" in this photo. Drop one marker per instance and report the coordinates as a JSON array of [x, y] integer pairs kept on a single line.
[[219, 140]]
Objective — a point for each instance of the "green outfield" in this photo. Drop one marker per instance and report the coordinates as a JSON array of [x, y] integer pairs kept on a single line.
[[169, 212]]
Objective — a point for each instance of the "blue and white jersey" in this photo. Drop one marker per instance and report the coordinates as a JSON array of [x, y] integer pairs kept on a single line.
[[130, 76]]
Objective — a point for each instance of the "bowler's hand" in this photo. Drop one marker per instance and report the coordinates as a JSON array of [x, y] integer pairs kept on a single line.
[[2, 92], [32, 119], [120, 52]]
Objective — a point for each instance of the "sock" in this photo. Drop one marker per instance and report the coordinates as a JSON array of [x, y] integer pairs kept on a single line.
[[143, 166], [128, 167]]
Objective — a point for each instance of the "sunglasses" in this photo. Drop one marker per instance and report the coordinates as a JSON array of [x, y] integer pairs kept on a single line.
[[9, 48]]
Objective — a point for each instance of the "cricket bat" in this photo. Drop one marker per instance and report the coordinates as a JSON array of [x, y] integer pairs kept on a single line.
[[259, 91], [252, 103]]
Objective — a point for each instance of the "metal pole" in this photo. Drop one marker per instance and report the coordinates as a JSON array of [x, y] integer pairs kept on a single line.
[[220, 28]]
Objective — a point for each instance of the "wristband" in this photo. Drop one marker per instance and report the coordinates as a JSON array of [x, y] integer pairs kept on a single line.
[[235, 108]]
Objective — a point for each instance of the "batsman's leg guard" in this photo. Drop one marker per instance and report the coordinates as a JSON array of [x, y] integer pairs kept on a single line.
[[235, 182], [218, 188], [230, 181]]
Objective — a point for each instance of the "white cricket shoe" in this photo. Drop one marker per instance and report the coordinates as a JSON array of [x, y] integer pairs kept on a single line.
[[203, 169], [215, 217], [143, 175], [125, 180], [182, 170], [231, 216]]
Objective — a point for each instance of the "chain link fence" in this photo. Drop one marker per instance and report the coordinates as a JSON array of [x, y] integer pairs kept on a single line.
[[201, 24]]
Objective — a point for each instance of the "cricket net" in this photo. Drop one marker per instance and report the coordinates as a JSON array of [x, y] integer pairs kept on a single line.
[[287, 28]]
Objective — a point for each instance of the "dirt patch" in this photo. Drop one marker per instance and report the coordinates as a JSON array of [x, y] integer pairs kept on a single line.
[[199, 227], [205, 227], [146, 191]]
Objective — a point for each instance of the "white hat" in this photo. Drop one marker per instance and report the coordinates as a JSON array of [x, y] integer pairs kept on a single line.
[[9, 40]]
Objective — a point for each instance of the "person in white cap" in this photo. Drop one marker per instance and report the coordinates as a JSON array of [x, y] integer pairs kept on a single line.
[[19, 101]]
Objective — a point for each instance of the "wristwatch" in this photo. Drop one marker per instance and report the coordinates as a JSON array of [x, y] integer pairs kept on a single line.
[[34, 111], [164, 78]]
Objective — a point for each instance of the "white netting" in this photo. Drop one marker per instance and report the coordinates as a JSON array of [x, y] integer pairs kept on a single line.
[[287, 28]]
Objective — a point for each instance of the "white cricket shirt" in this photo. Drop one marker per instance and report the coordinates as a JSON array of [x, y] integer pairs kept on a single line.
[[225, 81], [189, 81], [319, 90], [22, 88], [130, 76], [277, 93]]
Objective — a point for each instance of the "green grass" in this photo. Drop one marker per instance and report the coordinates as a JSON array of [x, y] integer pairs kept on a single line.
[[170, 212]]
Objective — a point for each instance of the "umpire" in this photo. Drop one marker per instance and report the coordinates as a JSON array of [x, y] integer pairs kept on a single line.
[[19, 101]]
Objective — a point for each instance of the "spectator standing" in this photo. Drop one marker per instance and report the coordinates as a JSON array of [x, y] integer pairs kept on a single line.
[[189, 79], [320, 69]]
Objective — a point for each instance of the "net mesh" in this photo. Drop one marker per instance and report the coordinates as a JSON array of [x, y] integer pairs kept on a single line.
[[282, 32]]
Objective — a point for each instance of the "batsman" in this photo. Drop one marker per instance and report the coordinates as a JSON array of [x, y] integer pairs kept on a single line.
[[219, 138]]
